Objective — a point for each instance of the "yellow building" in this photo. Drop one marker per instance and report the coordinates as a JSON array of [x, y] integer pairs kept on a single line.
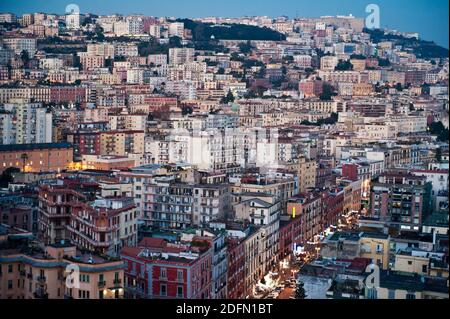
[[375, 246], [46, 274], [407, 261], [122, 142], [306, 171]]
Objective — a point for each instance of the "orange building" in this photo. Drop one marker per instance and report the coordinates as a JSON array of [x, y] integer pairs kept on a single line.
[[41, 157]]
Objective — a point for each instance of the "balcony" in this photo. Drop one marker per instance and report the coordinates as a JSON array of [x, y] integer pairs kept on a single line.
[[117, 282], [41, 279], [101, 284], [40, 294]]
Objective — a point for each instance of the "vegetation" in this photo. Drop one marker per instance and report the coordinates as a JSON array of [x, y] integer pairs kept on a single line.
[[245, 48], [204, 31], [227, 98], [344, 66], [422, 49], [6, 177], [327, 92], [154, 47], [327, 121], [185, 110], [383, 62], [437, 128], [358, 57], [300, 292]]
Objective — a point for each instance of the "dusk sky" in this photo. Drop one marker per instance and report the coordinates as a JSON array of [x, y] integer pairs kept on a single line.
[[429, 18]]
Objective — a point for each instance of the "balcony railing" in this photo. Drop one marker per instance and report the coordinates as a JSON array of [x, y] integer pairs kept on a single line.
[[41, 279], [40, 294], [101, 284]]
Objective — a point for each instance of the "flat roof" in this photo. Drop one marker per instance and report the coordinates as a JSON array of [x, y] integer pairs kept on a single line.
[[29, 147]]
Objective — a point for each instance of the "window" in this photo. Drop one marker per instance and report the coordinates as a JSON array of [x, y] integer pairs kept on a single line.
[[163, 274], [410, 295], [371, 293], [180, 275], [10, 268], [10, 284], [163, 290], [424, 268], [180, 292], [409, 262], [391, 294]]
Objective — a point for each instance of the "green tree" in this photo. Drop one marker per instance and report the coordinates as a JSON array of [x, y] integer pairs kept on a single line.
[[327, 92], [228, 98], [186, 110], [25, 57], [399, 87], [175, 42], [437, 128], [245, 48], [300, 292], [7, 176], [344, 66]]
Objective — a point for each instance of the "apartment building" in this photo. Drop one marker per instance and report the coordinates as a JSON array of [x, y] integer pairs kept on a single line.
[[42, 157], [25, 123], [121, 142], [104, 226], [263, 211], [31, 273], [19, 44], [401, 199], [178, 56], [161, 270]]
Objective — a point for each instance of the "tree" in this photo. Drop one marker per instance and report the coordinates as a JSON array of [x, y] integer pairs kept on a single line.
[[175, 42], [245, 48], [399, 87], [439, 154], [300, 292], [228, 98], [327, 92], [383, 62], [437, 128], [25, 57], [6, 177], [186, 110], [344, 66]]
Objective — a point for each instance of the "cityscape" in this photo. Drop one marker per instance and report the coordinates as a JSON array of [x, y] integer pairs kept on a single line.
[[252, 158]]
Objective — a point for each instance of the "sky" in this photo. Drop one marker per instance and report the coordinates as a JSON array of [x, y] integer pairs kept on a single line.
[[428, 17]]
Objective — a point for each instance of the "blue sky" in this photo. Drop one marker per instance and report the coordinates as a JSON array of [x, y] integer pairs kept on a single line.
[[428, 17]]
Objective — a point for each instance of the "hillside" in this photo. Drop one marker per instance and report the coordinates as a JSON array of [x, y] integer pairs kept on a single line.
[[204, 31]]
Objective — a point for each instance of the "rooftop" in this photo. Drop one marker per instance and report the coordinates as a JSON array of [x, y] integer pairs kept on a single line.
[[30, 147]]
